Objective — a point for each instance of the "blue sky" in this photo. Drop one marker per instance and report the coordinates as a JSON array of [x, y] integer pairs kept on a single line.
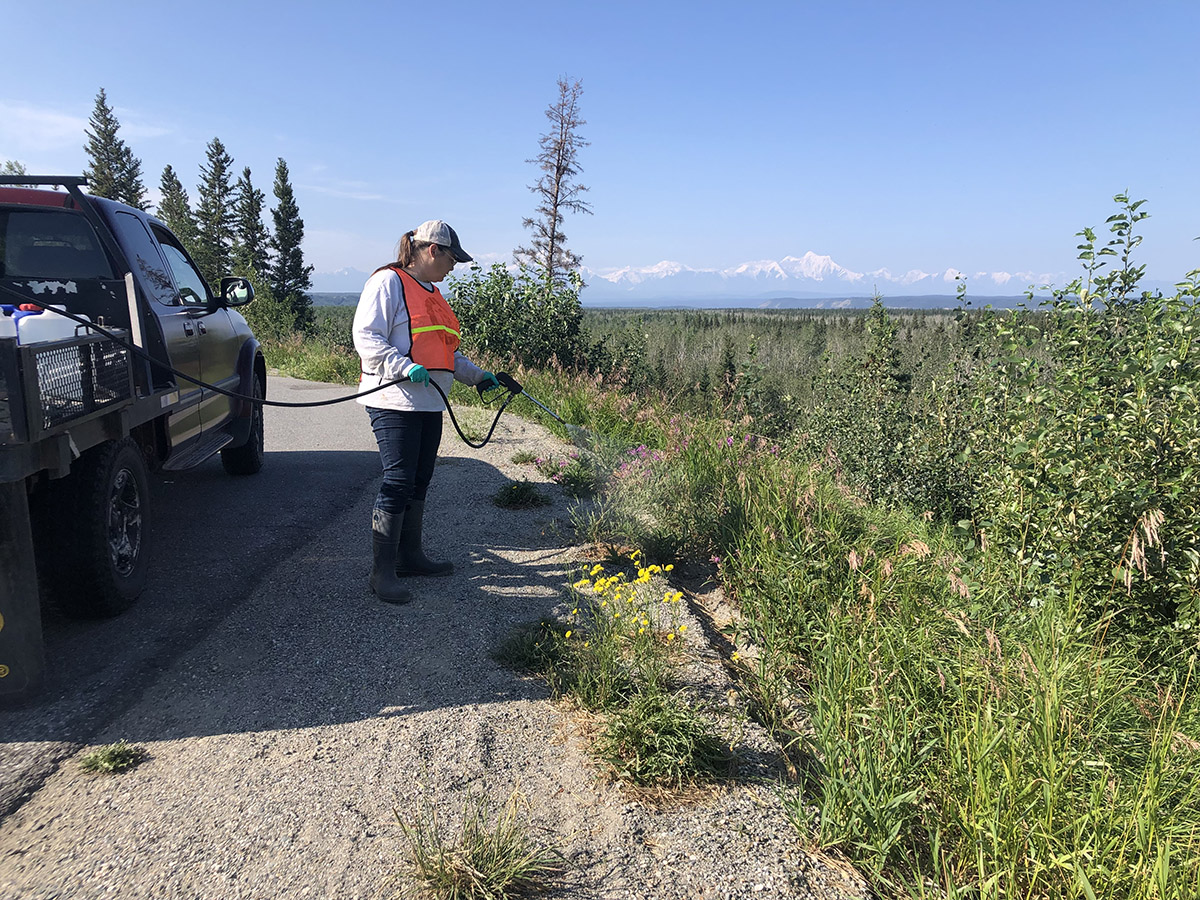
[[974, 135]]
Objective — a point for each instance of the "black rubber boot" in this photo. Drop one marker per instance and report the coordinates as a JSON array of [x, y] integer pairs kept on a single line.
[[385, 542], [412, 559]]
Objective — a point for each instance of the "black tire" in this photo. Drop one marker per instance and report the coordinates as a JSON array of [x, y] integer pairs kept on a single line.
[[248, 458], [93, 532]]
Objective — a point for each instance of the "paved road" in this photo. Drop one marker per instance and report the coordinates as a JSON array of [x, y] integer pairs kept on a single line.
[[212, 539]]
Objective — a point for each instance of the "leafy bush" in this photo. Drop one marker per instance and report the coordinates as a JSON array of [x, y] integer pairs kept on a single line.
[[1087, 469], [523, 317]]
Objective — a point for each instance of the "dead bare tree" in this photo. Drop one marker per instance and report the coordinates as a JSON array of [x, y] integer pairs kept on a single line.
[[557, 191]]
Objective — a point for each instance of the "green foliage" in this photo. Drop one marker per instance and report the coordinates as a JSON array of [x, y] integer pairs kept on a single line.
[[1087, 456], [523, 318], [661, 740], [214, 214], [175, 210], [521, 494], [492, 857], [112, 171], [112, 759], [535, 647], [271, 319], [577, 473], [958, 730], [250, 237], [290, 277]]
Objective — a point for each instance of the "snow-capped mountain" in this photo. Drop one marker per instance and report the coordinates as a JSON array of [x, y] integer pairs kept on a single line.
[[806, 278], [810, 275]]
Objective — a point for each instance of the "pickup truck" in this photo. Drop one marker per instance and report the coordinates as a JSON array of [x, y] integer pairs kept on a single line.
[[162, 376]]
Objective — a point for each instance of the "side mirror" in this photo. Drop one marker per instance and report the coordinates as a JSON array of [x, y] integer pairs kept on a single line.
[[236, 291]]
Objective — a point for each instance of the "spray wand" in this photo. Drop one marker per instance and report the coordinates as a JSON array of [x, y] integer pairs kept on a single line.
[[514, 389]]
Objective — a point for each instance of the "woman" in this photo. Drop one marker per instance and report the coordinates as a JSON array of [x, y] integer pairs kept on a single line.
[[404, 328]]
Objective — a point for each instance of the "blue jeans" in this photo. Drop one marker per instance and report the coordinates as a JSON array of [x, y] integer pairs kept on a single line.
[[408, 446]]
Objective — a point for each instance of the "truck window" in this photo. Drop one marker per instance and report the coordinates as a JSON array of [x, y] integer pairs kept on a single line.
[[144, 256], [56, 244], [191, 285]]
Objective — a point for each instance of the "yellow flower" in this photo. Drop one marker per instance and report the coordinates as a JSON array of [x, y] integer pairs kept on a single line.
[[670, 566], [683, 628], [736, 656], [641, 631], [582, 583], [568, 634], [616, 615], [671, 636], [596, 569]]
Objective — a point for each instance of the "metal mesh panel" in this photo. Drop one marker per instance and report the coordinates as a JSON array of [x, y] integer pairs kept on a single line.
[[76, 379]]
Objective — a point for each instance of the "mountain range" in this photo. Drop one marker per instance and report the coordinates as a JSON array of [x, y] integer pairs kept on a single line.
[[808, 280]]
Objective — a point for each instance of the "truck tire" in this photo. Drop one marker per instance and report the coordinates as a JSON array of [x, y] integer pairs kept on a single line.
[[94, 530], [248, 458]]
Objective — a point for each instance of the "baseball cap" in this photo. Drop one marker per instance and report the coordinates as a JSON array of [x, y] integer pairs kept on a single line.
[[435, 231]]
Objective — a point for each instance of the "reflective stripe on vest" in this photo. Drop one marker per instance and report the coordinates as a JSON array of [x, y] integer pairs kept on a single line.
[[433, 328]]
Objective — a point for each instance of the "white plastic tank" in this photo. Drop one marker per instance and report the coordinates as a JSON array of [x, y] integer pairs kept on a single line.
[[36, 328]]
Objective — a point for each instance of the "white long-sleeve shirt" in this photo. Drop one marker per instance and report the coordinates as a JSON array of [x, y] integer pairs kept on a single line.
[[382, 340]]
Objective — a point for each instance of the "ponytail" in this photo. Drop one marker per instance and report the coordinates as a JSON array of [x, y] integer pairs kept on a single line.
[[407, 251]]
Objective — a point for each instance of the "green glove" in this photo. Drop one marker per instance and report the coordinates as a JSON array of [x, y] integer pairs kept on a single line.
[[489, 381], [418, 374]]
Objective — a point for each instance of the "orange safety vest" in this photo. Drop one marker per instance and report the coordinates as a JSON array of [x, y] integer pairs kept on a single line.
[[432, 326]]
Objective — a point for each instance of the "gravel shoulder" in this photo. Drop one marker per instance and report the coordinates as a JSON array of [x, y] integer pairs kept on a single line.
[[286, 741]]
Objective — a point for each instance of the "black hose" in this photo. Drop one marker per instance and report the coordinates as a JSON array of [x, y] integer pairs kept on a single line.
[[262, 401]]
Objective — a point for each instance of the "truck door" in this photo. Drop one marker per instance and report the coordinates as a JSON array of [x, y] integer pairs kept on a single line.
[[218, 341], [220, 344], [174, 317]]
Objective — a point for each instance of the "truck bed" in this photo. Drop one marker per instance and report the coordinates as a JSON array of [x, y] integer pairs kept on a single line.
[[55, 398]]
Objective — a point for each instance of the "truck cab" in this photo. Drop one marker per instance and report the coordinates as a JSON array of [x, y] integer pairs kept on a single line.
[[116, 358]]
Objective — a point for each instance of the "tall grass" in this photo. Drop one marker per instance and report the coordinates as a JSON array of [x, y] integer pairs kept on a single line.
[[960, 736]]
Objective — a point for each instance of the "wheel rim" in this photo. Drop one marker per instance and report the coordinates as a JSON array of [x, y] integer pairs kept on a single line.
[[124, 523]]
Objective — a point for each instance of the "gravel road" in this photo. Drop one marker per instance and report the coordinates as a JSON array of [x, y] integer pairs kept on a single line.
[[290, 717]]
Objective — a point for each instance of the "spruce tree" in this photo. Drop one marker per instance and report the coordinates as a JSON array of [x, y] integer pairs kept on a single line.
[[557, 191], [214, 215], [113, 171], [251, 239], [290, 277], [175, 209]]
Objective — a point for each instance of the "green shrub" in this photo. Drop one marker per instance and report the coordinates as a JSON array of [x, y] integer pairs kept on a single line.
[[523, 317], [661, 740], [521, 494], [1087, 469], [492, 857], [113, 759]]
